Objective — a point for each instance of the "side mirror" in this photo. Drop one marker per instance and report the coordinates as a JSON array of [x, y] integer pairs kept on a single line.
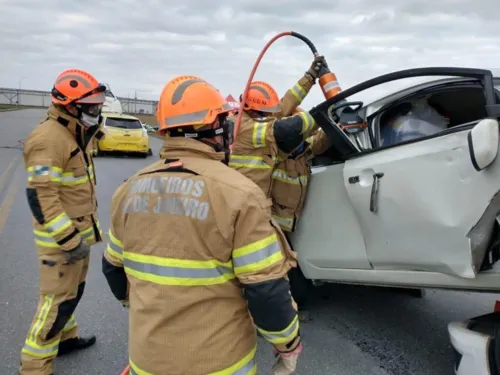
[[483, 142]]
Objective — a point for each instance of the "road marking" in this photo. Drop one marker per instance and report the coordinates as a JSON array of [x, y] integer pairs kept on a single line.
[[7, 205], [11, 165]]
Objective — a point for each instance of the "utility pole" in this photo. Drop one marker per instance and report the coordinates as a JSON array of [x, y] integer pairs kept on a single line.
[[19, 90]]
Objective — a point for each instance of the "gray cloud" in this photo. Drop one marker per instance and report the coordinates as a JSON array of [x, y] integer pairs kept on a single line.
[[139, 45]]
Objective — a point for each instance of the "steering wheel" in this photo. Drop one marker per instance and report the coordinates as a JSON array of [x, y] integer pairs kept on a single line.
[[334, 112]]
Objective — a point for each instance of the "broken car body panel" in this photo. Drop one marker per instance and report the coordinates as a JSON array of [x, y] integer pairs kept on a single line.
[[414, 213]]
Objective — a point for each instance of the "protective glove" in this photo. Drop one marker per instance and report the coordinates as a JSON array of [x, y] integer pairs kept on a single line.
[[286, 361], [125, 303], [317, 64], [80, 252]]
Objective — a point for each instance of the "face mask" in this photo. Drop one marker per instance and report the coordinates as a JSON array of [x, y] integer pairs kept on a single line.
[[89, 121]]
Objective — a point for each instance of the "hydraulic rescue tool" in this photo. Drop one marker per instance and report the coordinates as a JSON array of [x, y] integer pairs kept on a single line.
[[327, 80]]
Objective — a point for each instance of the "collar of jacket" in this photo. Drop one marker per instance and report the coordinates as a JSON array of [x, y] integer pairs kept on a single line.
[[177, 147], [68, 121]]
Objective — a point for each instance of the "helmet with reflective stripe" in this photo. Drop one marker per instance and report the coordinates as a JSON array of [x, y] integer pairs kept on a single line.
[[262, 97], [476, 345], [189, 101], [76, 86]]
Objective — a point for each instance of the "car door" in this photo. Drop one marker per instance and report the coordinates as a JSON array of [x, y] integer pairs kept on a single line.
[[416, 202]]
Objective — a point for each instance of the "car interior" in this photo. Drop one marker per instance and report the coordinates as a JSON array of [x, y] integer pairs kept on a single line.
[[441, 108]]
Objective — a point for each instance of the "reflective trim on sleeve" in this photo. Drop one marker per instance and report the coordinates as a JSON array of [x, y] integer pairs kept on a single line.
[[182, 272], [257, 255], [284, 336], [57, 225], [282, 175], [285, 223], [44, 239], [68, 178], [91, 172], [307, 123], [54, 173], [246, 161], [245, 366], [115, 247], [259, 134], [298, 92]]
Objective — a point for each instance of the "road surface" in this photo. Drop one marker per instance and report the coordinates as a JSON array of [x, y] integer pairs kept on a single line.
[[353, 330]]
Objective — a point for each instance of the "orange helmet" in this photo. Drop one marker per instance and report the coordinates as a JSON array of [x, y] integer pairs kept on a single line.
[[189, 101], [262, 97], [79, 87]]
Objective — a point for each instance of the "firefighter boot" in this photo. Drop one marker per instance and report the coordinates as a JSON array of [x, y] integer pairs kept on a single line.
[[74, 344]]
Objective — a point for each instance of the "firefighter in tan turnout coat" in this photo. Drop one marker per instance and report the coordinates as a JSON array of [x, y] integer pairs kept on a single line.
[[61, 196], [194, 252]]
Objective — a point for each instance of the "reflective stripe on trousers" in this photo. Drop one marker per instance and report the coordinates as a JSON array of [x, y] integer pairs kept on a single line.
[[245, 366], [285, 223]]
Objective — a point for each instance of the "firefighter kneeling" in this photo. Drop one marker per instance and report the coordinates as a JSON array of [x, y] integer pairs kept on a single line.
[[195, 254]]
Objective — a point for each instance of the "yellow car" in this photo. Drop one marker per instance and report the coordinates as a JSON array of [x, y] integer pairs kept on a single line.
[[123, 133]]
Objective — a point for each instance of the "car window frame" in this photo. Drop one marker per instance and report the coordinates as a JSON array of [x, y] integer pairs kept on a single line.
[[320, 112]]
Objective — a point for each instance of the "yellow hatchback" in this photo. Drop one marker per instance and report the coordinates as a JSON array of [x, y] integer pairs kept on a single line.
[[123, 133]]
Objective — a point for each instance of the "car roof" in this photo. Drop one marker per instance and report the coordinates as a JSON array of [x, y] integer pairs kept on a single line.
[[119, 115]]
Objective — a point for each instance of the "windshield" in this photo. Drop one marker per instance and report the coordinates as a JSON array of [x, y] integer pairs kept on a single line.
[[123, 123]]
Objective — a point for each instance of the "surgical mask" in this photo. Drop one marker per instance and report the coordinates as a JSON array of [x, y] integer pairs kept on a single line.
[[89, 121]]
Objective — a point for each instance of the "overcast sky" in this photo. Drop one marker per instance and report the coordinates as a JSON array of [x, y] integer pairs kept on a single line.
[[138, 45]]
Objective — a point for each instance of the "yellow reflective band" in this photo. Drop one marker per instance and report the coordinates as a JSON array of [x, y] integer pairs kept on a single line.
[[245, 161], [68, 178], [41, 318], [298, 92], [91, 172], [307, 123], [245, 366], [57, 225], [115, 246], [54, 173], [282, 175], [70, 324], [284, 222], [284, 336], [134, 370], [257, 255], [182, 272], [44, 239], [41, 351], [259, 134], [310, 140]]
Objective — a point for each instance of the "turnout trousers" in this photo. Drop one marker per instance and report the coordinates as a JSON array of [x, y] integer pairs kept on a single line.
[[61, 288]]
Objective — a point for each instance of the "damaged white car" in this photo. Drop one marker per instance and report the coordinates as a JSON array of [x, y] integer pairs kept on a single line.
[[408, 193]]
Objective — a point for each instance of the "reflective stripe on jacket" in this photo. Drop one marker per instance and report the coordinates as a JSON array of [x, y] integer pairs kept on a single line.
[[61, 182], [187, 236]]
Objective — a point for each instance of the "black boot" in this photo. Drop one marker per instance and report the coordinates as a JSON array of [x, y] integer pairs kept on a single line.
[[76, 343]]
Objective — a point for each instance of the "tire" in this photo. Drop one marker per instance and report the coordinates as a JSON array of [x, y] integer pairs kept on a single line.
[[144, 155], [150, 152], [300, 287]]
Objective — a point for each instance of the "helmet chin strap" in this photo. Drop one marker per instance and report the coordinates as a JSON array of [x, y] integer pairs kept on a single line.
[[224, 131]]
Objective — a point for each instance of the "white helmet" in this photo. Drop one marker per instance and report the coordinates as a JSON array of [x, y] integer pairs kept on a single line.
[[476, 344]]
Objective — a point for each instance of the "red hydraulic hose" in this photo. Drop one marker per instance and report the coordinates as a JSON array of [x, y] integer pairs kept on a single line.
[[254, 69], [126, 371]]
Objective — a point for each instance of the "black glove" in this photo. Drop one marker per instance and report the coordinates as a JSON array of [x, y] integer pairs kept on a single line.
[[80, 252], [317, 64]]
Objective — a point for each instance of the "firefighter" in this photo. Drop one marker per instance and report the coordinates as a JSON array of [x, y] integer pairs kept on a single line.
[[195, 254], [61, 196], [291, 177], [267, 134]]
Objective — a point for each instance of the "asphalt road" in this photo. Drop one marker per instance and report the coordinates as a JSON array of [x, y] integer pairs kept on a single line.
[[353, 330]]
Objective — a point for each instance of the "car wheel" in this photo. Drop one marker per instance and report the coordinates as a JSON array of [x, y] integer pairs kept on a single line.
[[300, 287], [150, 152], [144, 155]]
